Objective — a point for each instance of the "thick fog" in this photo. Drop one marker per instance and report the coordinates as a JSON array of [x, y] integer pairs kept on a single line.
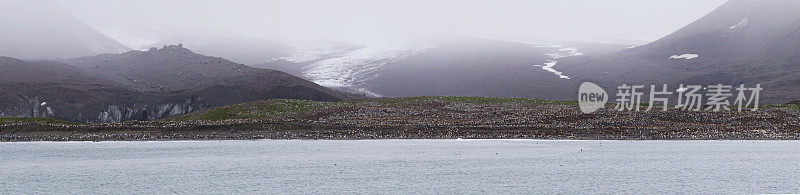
[[136, 22]]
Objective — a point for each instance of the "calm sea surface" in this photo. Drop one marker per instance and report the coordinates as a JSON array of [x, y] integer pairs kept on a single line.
[[400, 166]]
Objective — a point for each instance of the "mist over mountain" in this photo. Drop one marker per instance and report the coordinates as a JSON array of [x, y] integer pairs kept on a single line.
[[240, 49], [40, 29], [253, 32]]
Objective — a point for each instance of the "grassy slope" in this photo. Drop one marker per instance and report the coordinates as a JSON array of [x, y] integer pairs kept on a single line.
[[13, 120]]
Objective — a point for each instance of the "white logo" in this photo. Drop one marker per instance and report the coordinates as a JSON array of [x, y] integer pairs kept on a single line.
[[591, 97]]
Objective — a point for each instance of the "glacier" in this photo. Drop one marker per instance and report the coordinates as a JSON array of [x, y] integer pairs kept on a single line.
[[351, 70]]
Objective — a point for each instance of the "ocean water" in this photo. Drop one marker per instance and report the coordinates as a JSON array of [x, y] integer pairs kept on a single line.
[[400, 166]]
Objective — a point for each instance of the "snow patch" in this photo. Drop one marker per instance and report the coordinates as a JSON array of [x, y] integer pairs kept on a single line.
[[740, 25], [684, 56]]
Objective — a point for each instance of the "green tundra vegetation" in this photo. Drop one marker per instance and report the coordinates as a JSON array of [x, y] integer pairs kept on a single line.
[[14, 120]]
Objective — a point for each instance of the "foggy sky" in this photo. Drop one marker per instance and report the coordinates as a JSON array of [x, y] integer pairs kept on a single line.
[[135, 22]]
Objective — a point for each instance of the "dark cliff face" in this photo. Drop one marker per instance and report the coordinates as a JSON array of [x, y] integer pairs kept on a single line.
[[141, 85]]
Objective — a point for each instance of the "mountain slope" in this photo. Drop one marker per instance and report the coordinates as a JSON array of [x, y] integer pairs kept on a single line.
[[458, 66], [139, 85], [470, 67], [174, 68], [741, 42], [734, 29], [179, 72], [41, 29]]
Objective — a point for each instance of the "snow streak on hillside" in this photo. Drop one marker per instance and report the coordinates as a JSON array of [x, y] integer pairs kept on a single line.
[[351, 70], [684, 56], [559, 52]]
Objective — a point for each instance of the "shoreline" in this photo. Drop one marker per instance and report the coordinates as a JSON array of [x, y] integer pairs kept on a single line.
[[423, 139], [258, 132], [421, 118]]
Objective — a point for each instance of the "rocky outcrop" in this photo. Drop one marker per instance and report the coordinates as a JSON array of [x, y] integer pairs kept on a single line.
[[25, 107], [119, 113]]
